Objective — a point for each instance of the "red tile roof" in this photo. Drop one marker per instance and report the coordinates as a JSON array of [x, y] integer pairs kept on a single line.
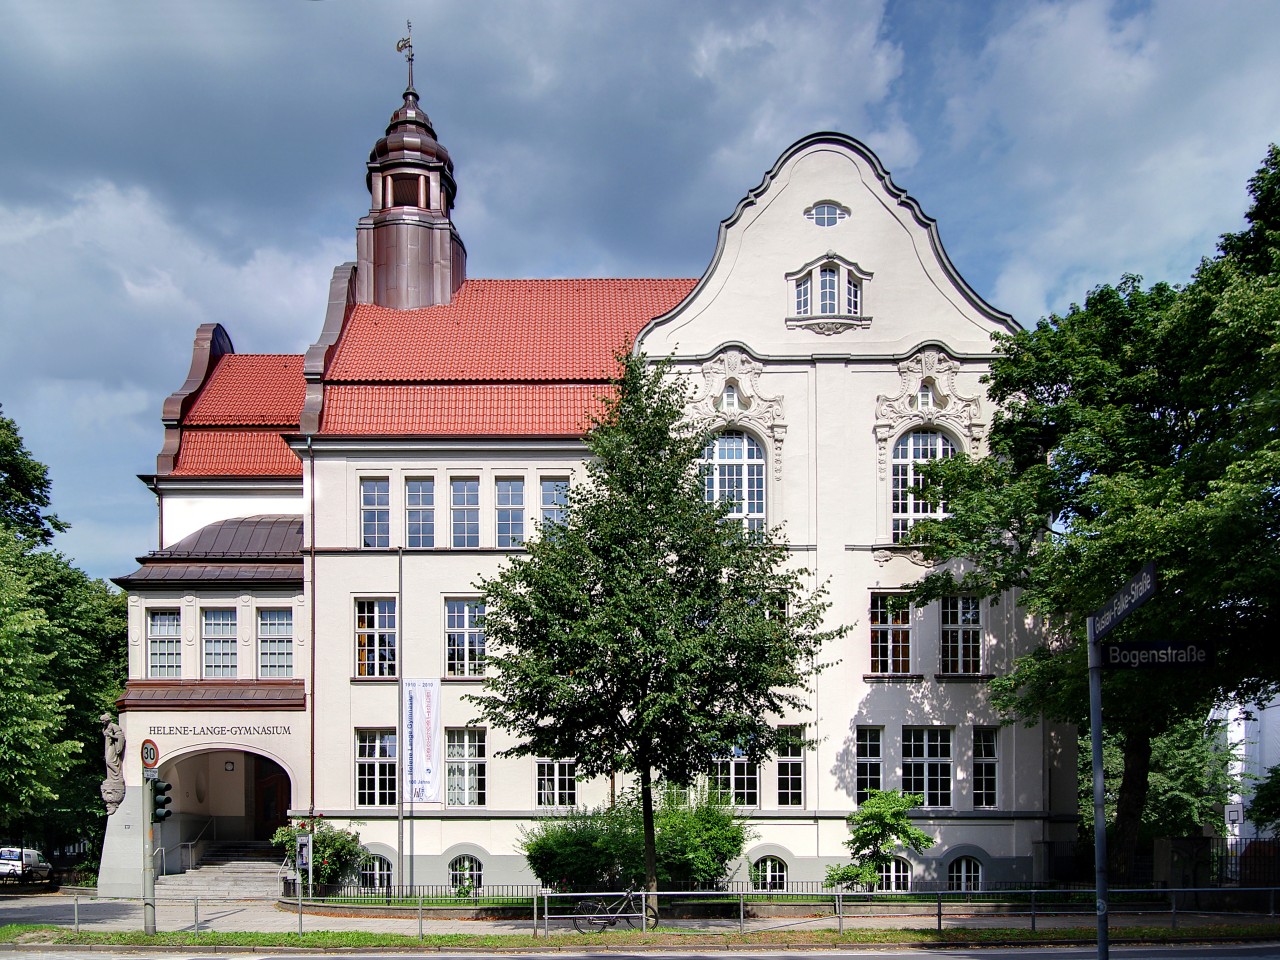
[[227, 453], [248, 389], [505, 330], [527, 410]]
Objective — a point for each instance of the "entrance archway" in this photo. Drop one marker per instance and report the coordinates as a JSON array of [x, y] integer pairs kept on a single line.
[[227, 795]]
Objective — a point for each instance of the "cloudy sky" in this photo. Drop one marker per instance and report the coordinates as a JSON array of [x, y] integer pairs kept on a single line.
[[166, 164]]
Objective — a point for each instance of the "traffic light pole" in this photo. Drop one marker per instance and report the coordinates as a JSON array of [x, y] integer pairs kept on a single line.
[[148, 863]]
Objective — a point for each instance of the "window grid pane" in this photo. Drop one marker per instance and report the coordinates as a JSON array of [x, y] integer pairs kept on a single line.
[[802, 296], [912, 448], [275, 643], [769, 873], [555, 496], [961, 635], [420, 513], [827, 290], [375, 638], [218, 634], [465, 767], [164, 643], [869, 760], [895, 875], [984, 767], [464, 499], [557, 783], [738, 778], [375, 514], [510, 506], [790, 763], [464, 639], [852, 296], [375, 768], [890, 636], [926, 764], [736, 474]]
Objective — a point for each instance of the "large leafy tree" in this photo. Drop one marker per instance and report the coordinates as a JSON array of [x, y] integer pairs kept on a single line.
[[1141, 426], [648, 633], [62, 650], [877, 829]]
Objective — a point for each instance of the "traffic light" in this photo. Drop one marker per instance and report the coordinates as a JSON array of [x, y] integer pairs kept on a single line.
[[160, 811]]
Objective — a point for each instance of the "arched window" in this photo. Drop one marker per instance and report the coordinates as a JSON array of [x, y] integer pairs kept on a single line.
[[895, 875], [769, 873], [466, 872], [919, 446], [827, 279], [735, 472], [964, 873], [375, 872]]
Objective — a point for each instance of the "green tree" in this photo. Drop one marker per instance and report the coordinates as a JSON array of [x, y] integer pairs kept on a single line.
[[647, 633], [24, 489], [878, 828], [1264, 808], [1139, 427]]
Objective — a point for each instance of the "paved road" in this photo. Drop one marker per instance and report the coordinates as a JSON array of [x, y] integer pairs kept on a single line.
[[1191, 952]]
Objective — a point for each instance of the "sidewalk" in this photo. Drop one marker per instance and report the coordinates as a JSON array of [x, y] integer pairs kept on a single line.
[[267, 917]]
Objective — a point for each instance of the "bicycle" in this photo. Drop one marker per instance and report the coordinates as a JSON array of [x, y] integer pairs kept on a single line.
[[592, 916]]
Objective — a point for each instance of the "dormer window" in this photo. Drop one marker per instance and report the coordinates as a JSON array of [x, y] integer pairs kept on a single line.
[[839, 294], [729, 399]]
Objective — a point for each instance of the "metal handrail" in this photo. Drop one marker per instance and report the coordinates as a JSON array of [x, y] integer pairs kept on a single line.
[[164, 862], [191, 844]]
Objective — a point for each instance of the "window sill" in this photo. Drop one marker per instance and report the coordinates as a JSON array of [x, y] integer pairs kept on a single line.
[[479, 679], [893, 678], [963, 677], [375, 679]]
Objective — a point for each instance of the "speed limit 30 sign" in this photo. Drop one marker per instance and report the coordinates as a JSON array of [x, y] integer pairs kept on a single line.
[[150, 754]]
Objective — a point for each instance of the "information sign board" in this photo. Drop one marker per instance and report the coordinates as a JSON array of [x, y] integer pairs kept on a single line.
[[1168, 653], [1140, 589], [150, 753]]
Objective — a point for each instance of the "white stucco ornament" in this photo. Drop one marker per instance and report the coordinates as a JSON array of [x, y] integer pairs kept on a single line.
[[956, 413], [731, 399]]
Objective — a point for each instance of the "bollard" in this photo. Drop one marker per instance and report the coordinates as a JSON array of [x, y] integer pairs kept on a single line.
[[77, 913], [742, 914], [1033, 911], [420, 936], [839, 913], [1173, 910], [535, 915], [939, 911], [197, 917]]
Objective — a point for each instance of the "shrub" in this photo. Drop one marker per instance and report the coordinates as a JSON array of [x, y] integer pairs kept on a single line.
[[336, 855]]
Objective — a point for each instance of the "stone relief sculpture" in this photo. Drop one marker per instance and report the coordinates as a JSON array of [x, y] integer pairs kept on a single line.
[[733, 376], [112, 788]]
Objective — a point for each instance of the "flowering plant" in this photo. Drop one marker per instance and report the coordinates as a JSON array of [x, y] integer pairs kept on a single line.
[[336, 854]]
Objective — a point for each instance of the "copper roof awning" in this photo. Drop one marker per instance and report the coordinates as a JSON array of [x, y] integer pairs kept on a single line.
[[213, 695]]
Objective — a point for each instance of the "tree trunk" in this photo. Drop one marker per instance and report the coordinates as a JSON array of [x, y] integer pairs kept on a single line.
[[646, 808], [1130, 803]]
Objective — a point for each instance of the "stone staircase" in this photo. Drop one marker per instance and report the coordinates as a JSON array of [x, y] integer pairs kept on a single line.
[[236, 869]]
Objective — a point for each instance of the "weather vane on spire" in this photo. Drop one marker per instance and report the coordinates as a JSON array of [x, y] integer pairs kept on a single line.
[[405, 46]]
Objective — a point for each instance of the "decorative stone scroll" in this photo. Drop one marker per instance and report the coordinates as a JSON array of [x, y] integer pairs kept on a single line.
[[961, 415], [731, 398]]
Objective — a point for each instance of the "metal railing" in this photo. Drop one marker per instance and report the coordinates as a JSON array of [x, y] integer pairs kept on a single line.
[[189, 858]]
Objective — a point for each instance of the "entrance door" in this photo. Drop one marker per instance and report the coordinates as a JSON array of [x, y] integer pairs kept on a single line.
[[271, 798]]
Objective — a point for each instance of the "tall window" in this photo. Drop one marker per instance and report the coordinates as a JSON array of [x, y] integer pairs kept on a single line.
[[275, 643], [375, 513], [920, 446], [420, 513], [557, 783], [164, 643], [804, 287], [735, 472], [465, 767], [895, 875], [791, 769], [890, 636], [827, 280], [852, 295], [870, 759], [464, 503], [510, 505], [736, 777], [375, 768], [464, 639], [964, 873], [218, 636], [555, 496], [466, 871], [926, 764], [961, 635], [985, 770], [375, 638], [769, 873]]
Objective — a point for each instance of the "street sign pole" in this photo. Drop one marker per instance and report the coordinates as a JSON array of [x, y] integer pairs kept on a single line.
[[1099, 794], [148, 863]]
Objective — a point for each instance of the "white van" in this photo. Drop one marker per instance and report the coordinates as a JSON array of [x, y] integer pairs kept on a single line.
[[23, 863]]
